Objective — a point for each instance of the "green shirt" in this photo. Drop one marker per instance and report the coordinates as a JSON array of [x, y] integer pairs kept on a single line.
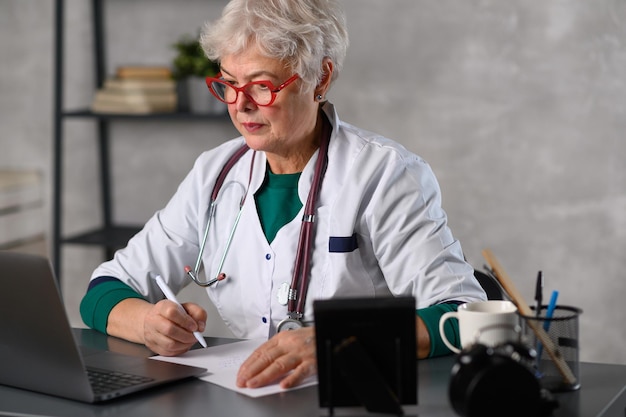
[[277, 202]]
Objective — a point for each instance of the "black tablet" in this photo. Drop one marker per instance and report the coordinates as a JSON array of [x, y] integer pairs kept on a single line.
[[366, 353]]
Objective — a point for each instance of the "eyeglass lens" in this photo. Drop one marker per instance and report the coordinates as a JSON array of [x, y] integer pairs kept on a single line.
[[260, 93]]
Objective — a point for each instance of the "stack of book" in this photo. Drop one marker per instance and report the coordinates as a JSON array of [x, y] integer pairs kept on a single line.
[[137, 90], [21, 207]]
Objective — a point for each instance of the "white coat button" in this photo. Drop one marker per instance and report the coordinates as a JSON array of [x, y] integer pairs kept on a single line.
[[268, 256]]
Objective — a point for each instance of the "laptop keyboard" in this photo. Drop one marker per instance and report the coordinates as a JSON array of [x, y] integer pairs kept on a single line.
[[103, 381]]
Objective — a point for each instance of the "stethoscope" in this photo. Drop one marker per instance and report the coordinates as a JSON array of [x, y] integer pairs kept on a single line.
[[296, 295]]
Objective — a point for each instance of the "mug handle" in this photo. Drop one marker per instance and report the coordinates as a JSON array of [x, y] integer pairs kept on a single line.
[[442, 333]]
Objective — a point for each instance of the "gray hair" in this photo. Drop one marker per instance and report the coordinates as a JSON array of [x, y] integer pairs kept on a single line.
[[299, 32]]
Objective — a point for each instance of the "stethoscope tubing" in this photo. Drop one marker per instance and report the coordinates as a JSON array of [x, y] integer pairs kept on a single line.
[[229, 241], [212, 208], [219, 182], [299, 282]]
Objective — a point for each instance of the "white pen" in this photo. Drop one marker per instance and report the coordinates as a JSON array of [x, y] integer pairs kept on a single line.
[[170, 296]]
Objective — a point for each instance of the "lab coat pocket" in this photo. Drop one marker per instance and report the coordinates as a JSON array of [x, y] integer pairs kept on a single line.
[[342, 244], [350, 271]]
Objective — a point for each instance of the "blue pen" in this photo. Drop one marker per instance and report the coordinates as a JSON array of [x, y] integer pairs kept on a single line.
[[548, 319], [550, 311]]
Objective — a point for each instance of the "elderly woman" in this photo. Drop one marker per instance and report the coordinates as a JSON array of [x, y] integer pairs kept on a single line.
[[301, 207]]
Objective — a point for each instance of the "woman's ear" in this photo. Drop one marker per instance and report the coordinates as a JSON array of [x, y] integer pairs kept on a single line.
[[324, 84]]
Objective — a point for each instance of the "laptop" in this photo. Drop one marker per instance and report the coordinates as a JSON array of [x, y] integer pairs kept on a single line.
[[38, 351]]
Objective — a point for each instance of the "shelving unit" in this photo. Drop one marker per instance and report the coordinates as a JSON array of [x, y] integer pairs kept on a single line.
[[110, 236]]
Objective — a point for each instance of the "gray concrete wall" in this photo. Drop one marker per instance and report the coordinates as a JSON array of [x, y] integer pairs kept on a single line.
[[519, 106]]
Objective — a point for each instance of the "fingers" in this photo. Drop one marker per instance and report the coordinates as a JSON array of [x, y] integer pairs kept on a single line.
[[198, 314], [299, 374], [289, 355], [168, 329]]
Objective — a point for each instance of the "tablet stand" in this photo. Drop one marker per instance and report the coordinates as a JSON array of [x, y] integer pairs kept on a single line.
[[366, 353], [364, 379]]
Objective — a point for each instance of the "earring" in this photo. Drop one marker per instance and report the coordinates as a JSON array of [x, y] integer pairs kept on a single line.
[[319, 97]]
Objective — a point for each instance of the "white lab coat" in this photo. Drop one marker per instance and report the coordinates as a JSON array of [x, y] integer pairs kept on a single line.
[[373, 188]]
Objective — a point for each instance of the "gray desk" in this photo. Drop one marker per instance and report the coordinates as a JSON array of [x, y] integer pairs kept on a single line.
[[602, 394]]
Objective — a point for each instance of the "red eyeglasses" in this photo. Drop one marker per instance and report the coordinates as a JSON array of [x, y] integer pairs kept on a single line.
[[261, 93]]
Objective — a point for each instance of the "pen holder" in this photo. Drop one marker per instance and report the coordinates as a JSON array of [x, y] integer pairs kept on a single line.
[[562, 329]]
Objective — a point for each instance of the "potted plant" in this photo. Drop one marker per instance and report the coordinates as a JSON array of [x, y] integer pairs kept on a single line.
[[190, 68]]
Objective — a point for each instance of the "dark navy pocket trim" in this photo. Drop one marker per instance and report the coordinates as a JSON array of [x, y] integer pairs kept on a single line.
[[342, 243]]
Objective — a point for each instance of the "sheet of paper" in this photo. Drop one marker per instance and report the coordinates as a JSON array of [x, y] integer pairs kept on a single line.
[[222, 363]]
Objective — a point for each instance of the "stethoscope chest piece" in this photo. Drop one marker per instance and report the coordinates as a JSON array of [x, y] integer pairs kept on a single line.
[[289, 324]]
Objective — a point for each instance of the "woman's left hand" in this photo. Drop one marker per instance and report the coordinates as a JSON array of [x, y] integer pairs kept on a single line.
[[290, 353]]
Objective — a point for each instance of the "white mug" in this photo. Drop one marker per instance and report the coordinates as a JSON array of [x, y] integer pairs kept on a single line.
[[486, 322]]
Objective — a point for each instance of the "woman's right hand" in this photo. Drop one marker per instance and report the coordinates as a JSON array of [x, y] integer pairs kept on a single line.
[[164, 327], [168, 329]]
